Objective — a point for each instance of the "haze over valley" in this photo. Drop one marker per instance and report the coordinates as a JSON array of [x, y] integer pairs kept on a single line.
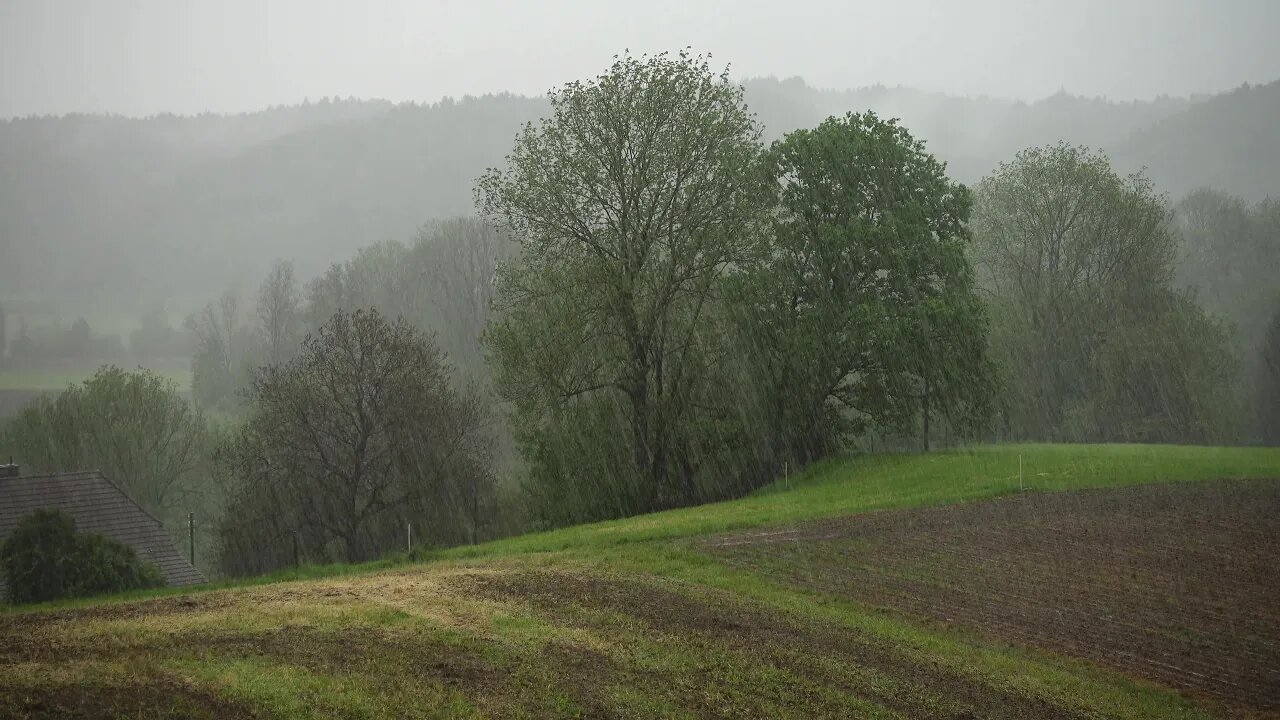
[[672, 359]]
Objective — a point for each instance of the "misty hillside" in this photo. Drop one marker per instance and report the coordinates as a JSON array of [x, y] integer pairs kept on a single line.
[[1229, 143], [90, 205], [971, 134]]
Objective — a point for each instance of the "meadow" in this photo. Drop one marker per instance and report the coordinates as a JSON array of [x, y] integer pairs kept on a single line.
[[791, 602]]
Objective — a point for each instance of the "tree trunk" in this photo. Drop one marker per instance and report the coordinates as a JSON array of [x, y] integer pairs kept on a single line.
[[351, 541]]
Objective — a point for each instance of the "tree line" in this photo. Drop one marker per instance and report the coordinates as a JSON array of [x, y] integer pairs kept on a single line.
[[657, 308], [93, 204], [691, 309]]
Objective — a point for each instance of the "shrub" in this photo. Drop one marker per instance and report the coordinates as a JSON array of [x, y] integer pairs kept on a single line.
[[46, 559]]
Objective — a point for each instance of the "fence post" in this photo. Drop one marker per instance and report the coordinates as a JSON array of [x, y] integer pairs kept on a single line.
[[409, 532], [191, 536]]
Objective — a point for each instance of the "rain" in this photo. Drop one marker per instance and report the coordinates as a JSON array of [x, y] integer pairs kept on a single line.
[[597, 359]]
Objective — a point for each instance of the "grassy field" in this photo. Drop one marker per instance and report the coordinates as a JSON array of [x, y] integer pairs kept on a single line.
[[643, 617]]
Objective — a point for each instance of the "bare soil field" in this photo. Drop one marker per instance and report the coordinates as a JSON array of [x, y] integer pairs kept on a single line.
[[1176, 583]]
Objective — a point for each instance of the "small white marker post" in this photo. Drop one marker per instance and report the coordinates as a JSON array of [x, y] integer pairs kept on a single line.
[[408, 528]]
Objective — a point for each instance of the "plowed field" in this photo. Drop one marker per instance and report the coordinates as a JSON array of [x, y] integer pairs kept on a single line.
[[1175, 583]]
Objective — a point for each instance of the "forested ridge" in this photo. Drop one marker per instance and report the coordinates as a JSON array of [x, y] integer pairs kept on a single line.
[[89, 203]]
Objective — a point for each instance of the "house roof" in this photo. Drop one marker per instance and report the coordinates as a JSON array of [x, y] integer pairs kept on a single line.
[[97, 506]]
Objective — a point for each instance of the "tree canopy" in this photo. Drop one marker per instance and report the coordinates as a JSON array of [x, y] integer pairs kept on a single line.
[[1094, 342], [358, 433], [630, 203], [689, 310], [862, 311]]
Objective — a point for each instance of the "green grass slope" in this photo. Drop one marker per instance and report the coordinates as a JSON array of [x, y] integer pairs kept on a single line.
[[628, 618]]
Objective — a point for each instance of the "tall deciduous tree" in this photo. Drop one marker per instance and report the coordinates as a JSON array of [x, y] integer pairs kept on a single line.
[[223, 351], [864, 313], [1079, 263], [361, 428], [630, 203], [278, 314]]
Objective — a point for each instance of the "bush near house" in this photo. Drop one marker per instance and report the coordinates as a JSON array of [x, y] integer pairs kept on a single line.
[[46, 559]]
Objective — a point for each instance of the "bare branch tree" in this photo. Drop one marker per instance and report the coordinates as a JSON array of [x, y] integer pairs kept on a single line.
[[278, 316], [360, 426]]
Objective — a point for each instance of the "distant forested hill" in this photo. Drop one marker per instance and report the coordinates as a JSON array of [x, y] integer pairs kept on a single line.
[[131, 212], [1230, 143]]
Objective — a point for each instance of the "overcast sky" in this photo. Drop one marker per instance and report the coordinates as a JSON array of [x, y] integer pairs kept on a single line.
[[140, 57]]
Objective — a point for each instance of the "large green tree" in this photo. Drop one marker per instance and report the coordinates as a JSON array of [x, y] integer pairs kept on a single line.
[[863, 314], [631, 203], [1079, 263]]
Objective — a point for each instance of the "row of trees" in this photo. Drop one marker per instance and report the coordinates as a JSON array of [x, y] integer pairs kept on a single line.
[[440, 283], [358, 435], [359, 401], [79, 344], [671, 313], [262, 505], [690, 310], [76, 342]]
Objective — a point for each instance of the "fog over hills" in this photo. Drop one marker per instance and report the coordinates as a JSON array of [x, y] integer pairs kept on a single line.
[[612, 330], [90, 205]]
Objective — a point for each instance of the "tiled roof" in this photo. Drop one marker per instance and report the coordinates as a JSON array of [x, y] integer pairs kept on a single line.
[[97, 506]]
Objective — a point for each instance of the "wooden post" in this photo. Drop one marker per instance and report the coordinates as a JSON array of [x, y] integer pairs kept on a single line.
[[926, 414], [408, 528], [191, 536]]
